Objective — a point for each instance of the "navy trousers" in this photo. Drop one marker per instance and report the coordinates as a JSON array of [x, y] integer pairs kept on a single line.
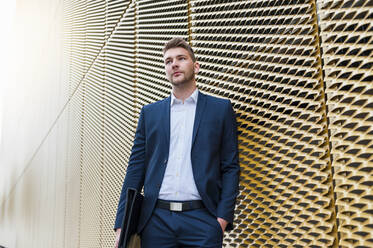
[[170, 229]]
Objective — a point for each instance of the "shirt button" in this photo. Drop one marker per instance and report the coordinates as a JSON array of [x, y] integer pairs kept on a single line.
[[165, 161]]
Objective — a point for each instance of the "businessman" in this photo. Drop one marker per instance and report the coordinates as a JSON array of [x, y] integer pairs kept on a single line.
[[185, 156]]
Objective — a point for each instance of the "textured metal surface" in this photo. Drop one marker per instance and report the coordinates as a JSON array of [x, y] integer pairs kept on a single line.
[[264, 56], [347, 42], [73, 172], [156, 23], [119, 115]]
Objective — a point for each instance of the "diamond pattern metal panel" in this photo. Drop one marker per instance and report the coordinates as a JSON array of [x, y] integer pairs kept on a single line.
[[75, 18], [156, 23], [73, 173], [115, 10], [92, 157], [264, 56], [119, 115], [74, 47], [346, 35]]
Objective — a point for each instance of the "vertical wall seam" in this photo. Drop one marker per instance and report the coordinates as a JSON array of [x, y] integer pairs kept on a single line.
[[102, 175], [65, 14], [136, 105], [81, 158], [190, 23], [325, 106], [82, 82]]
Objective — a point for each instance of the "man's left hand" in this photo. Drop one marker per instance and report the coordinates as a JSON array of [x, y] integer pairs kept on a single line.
[[223, 223]]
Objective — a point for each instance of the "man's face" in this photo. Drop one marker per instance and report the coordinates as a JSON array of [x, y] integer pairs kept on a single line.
[[180, 68]]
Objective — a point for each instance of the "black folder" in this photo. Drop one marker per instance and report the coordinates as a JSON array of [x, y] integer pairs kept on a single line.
[[131, 217]]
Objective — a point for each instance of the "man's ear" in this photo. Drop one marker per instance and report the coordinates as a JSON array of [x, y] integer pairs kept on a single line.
[[196, 67]]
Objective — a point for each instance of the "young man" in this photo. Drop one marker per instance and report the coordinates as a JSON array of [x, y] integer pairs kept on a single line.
[[185, 155]]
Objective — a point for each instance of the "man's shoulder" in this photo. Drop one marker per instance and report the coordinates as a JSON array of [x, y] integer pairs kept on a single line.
[[216, 100], [155, 105]]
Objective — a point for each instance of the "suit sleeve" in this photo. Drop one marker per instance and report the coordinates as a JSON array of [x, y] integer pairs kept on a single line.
[[136, 168], [230, 169]]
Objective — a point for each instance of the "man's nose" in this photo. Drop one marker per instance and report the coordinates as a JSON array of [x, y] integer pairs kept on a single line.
[[175, 64]]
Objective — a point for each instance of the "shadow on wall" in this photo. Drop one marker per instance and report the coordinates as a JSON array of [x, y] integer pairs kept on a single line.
[[7, 210], [2, 209], [29, 195], [26, 185], [18, 206]]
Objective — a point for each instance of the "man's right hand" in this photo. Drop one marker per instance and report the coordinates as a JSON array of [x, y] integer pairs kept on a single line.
[[117, 235]]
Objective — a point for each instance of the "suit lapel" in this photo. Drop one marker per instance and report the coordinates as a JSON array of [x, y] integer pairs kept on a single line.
[[201, 104], [166, 120]]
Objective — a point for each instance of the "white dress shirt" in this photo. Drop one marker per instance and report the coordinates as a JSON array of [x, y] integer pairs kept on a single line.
[[178, 182]]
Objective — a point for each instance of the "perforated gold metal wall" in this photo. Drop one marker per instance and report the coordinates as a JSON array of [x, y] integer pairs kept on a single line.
[[120, 121], [156, 22], [347, 42], [264, 56], [299, 75]]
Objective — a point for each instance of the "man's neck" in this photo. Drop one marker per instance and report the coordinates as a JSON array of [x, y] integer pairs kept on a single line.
[[183, 93]]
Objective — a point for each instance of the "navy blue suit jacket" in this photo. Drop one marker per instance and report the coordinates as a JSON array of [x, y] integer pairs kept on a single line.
[[214, 157]]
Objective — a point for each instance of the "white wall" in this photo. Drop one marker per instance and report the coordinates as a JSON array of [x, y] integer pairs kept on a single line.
[[31, 142]]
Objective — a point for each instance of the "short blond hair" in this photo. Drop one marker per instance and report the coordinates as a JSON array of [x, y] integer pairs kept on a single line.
[[179, 42]]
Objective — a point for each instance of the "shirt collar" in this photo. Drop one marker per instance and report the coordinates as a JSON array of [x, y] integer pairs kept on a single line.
[[193, 97]]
